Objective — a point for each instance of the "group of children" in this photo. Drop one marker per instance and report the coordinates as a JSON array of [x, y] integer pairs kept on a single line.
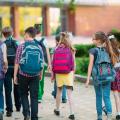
[[26, 64]]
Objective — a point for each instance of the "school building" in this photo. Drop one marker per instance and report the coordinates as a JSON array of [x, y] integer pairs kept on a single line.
[[88, 16]]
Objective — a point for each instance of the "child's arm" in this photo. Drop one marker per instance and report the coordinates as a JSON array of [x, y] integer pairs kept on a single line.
[[48, 57], [74, 62], [4, 50], [41, 73], [16, 67], [52, 76], [90, 69]]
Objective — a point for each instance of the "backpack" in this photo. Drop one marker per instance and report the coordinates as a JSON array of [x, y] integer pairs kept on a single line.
[[103, 71], [2, 74], [31, 62], [11, 50], [62, 60], [43, 49]]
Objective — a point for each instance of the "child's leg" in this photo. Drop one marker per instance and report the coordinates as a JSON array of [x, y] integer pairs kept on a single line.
[[1, 97], [98, 92], [117, 101], [64, 93], [55, 89], [69, 93], [106, 98], [41, 85], [58, 98]]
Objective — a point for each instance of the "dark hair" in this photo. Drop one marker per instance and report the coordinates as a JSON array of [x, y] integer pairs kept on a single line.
[[57, 38], [38, 28], [107, 44], [7, 31], [31, 31]]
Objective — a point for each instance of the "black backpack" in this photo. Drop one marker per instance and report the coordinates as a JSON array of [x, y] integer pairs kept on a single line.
[[11, 50], [43, 48]]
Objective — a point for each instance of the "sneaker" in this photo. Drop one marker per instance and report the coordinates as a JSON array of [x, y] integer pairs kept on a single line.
[[71, 117], [117, 117], [104, 110], [64, 100], [8, 113], [57, 112], [1, 116], [27, 118], [39, 101]]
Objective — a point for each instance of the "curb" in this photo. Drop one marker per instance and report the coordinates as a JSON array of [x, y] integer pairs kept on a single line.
[[78, 78]]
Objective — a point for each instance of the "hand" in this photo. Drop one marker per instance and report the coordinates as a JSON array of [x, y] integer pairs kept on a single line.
[[5, 67], [40, 76], [52, 77], [49, 68], [15, 80], [87, 84]]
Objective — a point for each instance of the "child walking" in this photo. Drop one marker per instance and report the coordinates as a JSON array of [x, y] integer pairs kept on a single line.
[[3, 70], [29, 61], [47, 63], [115, 86], [102, 57], [63, 70], [54, 92]]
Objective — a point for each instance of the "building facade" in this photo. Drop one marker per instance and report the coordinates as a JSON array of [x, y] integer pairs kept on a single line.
[[88, 16]]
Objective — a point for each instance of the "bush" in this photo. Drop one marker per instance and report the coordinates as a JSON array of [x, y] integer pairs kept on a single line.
[[116, 33], [82, 65], [82, 50]]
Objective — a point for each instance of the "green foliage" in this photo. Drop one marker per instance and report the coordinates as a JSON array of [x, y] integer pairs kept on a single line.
[[82, 65], [116, 33], [82, 50]]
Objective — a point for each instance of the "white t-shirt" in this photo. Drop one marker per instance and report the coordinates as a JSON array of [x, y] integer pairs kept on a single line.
[[44, 42]]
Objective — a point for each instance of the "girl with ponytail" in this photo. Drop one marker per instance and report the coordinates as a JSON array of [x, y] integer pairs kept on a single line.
[[102, 91]]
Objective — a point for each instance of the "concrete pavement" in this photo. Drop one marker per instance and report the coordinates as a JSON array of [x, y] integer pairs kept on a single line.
[[84, 104]]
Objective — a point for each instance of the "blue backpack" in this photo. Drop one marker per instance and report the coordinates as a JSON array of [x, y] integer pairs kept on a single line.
[[2, 74], [32, 59], [103, 71]]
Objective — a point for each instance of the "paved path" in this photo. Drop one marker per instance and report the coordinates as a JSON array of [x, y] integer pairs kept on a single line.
[[84, 104]]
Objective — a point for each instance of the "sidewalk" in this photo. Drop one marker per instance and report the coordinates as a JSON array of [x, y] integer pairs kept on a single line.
[[84, 104]]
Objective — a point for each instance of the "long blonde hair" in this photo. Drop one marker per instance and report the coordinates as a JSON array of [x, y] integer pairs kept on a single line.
[[65, 39], [108, 45]]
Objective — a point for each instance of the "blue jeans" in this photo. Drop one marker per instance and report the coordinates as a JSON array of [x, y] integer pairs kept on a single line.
[[31, 85], [1, 96], [103, 92], [55, 91], [8, 90]]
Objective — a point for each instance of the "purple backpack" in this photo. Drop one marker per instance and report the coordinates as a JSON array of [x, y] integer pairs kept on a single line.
[[63, 60], [2, 74]]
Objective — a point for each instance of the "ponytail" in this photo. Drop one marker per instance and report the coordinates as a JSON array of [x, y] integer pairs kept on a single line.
[[111, 51], [110, 45]]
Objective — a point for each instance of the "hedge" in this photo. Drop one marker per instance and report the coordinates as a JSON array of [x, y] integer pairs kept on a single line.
[[82, 50], [82, 65], [116, 33]]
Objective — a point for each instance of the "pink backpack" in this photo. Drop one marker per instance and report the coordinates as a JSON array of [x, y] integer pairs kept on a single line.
[[62, 60]]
